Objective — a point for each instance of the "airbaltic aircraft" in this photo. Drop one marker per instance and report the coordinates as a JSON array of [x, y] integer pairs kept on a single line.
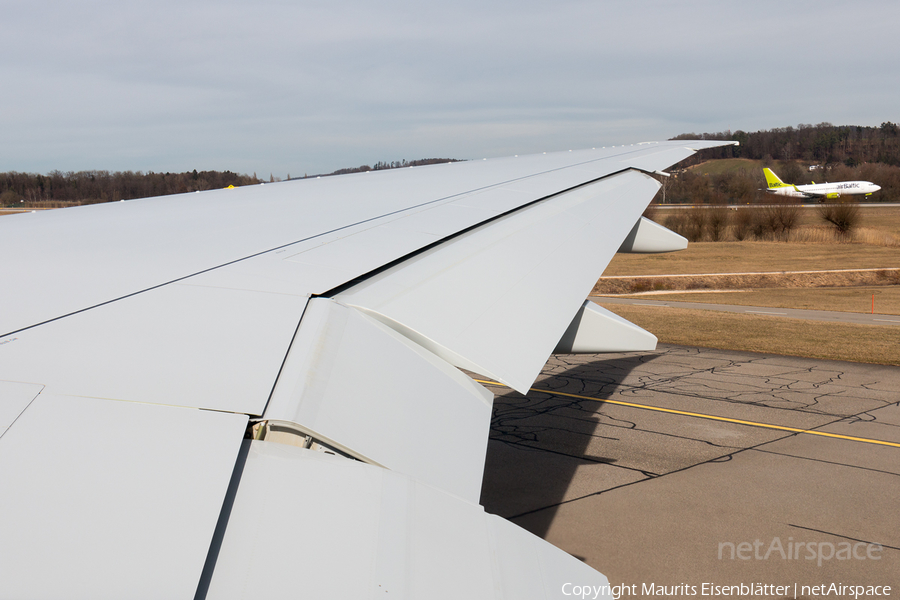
[[818, 190]]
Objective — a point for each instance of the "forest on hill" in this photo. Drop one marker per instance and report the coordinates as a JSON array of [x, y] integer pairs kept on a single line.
[[820, 153]]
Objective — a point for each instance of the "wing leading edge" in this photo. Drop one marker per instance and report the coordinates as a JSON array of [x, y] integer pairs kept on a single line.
[[334, 317]]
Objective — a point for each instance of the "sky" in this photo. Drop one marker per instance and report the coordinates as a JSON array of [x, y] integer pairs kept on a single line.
[[292, 88]]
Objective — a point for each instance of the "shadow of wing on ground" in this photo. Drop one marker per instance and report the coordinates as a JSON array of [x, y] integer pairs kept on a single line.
[[540, 442], [564, 466], [546, 448]]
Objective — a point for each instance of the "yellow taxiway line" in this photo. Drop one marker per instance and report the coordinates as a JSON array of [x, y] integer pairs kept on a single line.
[[704, 416]]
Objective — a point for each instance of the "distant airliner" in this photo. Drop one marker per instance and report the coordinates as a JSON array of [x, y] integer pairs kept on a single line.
[[818, 190]]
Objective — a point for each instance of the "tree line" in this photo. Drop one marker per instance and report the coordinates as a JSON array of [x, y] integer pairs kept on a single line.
[[851, 145], [91, 187], [396, 164]]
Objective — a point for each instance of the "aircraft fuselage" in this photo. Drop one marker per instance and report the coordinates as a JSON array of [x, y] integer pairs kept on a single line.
[[826, 190], [818, 190]]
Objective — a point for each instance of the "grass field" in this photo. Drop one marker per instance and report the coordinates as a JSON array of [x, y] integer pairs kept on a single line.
[[756, 333], [756, 257], [729, 165], [875, 217], [843, 299], [878, 225]]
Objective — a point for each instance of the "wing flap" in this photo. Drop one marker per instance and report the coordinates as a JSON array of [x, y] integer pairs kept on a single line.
[[500, 297], [648, 237], [595, 330], [357, 385]]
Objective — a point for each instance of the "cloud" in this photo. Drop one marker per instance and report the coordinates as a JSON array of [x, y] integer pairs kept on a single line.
[[313, 86]]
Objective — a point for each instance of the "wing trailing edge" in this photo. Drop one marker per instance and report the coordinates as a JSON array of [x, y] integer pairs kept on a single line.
[[304, 522]]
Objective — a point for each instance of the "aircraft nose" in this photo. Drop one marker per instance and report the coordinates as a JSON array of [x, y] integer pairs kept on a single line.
[[877, 187]]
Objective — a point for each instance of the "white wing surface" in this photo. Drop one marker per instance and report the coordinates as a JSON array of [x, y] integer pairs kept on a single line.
[[106, 499], [534, 274], [380, 535], [143, 344]]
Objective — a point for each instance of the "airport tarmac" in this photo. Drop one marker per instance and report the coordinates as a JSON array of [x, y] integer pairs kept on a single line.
[[691, 466]]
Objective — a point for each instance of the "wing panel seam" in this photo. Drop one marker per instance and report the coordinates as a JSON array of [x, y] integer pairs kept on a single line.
[[365, 276], [331, 292]]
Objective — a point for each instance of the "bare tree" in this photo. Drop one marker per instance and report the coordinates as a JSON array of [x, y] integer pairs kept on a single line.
[[697, 223], [718, 222], [843, 216], [677, 222], [782, 217], [742, 223]]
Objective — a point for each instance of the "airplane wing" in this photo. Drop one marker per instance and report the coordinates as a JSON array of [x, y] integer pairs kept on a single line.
[[257, 391], [809, 193]]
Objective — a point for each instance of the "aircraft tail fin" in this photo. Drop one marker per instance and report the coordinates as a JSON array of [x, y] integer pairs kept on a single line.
[[772, 180]]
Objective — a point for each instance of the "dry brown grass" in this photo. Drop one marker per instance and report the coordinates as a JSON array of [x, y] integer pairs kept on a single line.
[[656, 283], [812, 246], [756, 333], [842, 299], [872, 236], [884, 218], [755, 257], [15, 211], [48, 204]]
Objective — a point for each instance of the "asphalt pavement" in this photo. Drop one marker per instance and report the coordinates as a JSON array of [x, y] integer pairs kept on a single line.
[[689, 466]]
